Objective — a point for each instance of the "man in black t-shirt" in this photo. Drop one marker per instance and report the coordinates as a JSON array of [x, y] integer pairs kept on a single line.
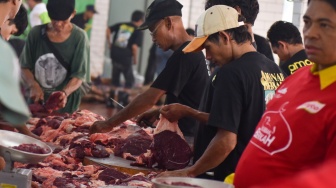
[[236, 95], [82, 19], [249, 9], [286, 42], [182, 80], [124, 48]]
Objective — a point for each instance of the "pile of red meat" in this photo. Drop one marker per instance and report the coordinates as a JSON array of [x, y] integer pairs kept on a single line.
[[163, 148], [32, 148]]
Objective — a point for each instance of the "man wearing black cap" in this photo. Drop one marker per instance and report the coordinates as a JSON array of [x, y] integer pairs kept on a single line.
[[182, 80], [46, 72], [82, 19]]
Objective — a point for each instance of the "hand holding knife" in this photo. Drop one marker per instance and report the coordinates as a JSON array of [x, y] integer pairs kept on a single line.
[[147, 123]]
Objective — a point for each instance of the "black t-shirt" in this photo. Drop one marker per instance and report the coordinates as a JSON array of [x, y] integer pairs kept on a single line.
[[17, 44], [184, 79], [79, 20], [263, 46], [297, 61], [125, 35], [235, 98]]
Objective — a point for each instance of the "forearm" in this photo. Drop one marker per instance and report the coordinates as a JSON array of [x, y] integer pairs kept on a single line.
[[134, 53], [198, 115], [140, 104], [108, 36], [72, 86], [28, 77], [217, 151]]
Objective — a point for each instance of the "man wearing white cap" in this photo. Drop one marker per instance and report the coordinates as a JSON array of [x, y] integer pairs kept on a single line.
[[235, 97]]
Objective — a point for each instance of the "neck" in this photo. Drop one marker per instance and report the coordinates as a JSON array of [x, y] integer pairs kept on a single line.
[[249, 29], [180, 37], [293, 49], [85, 16], [241, 49]]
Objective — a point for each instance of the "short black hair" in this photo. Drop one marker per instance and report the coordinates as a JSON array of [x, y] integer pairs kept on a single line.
[[249, 8], [21, 20], [137, 16], [190, 31], [4, 1], [284, 31], [331, 2]]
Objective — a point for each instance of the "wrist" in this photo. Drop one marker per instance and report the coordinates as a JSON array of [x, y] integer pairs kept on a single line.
[[64, 93]]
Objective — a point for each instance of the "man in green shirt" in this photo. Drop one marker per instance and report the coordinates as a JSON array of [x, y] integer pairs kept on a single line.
[[43, 71]]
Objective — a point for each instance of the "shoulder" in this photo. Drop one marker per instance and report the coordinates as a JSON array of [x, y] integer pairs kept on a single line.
[[36, 31], [7, 51], [79, 32]]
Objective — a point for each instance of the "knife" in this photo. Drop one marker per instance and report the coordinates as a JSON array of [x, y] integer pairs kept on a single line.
[[43, 105], [147, 123]]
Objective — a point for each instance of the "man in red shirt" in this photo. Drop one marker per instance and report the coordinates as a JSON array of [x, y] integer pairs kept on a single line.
[[298, 130]]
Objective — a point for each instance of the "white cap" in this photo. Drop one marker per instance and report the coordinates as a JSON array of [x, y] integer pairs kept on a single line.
[[215, 19]]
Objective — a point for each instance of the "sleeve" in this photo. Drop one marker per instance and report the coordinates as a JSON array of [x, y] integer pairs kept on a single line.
[[44, 18], [138, 38], [227, 101], [26, 58], [80, 65], [177, 72], [114, 27]]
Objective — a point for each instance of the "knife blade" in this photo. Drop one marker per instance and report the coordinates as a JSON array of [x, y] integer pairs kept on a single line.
[[147, 123]]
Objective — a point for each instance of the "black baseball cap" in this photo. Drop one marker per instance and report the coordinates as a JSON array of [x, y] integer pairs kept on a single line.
[[60, 9], [91, 8], [160, 9]]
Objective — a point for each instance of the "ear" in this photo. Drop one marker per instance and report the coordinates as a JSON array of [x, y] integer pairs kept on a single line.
[[238, 9], [168, 22], [224, 37], [282, 45]]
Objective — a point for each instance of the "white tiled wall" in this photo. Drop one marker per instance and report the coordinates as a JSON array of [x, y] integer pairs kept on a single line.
[[97, 42]]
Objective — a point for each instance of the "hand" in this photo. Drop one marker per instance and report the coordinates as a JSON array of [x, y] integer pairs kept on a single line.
[[36, 93], [174, 112], [175, 173], [150, 116], [100, 127], [63, 99]]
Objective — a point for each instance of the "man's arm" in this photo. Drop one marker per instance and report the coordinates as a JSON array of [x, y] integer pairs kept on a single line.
[[217, 151], [139, 105], [108, 37], [174, 112], [135, 53], [36, 92], [72, 86]]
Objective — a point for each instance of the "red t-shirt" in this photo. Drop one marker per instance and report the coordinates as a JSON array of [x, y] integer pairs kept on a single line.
[[296, 132]]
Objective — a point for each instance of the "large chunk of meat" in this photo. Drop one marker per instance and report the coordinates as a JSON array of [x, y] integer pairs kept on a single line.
[[135, 144]]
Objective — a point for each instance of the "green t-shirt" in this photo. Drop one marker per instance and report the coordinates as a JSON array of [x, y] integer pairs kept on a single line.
[[49, 72]]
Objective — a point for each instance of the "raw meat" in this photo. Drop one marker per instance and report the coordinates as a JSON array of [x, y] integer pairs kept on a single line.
[[181, 184], [169, 150], [53, 101], [135, 144], [31, 148]]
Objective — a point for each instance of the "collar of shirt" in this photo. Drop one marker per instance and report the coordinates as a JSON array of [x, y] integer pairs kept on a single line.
[[327, 76]]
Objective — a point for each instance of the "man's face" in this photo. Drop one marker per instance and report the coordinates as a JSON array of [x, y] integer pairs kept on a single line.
[[281, 52], [319, 33], [159, 34], [60, 25], [89, 14], [8, 29], [218, 53]]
